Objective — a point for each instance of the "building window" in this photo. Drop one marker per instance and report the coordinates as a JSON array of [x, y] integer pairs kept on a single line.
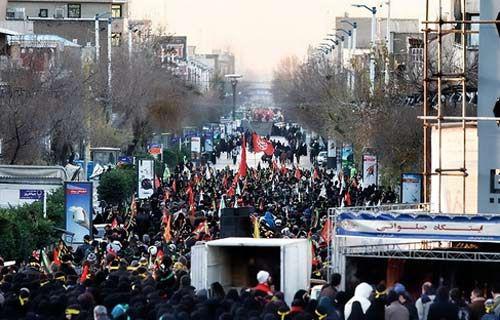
[[116, 39], [116, 10], [74, 10], [472, 38], [44, 13]]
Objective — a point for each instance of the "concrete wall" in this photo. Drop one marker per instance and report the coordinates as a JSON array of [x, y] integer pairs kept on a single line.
[[3, 8], [452, 191], [82, 31]]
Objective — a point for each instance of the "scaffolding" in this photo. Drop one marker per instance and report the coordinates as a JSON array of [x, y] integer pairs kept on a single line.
[[435, 30]]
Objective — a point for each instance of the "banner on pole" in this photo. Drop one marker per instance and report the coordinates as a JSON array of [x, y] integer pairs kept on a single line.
[[196, 144], [78, 209], [411, 188], [370, 170], [145, 178]]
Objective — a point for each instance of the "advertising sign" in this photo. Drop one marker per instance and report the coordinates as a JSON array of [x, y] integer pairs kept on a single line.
[[30, 194], [332, 149], [196, 144], [78, 209], [145, 178], [155, 149], [209, 145], [370, 170], [347, 153], [431, 227], [411, 188]]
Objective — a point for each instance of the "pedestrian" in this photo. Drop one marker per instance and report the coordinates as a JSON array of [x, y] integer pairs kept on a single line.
[[395, 310], [442, 308], [457, 299], [264, 279], [489, 310], [424, 302], [361, 295], [476, 304]]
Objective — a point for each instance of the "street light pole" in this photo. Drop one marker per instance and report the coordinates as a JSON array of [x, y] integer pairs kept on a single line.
[[234, 83], [110, 108], [387, 41], [373, 10], [97, 46]]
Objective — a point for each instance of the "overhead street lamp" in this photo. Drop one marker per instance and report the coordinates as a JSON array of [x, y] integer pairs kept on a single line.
[[354, 26], [234, 82], [98, 16], [373, 11]]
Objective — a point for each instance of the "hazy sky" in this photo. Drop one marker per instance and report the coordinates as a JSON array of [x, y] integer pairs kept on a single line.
[[259, 32]]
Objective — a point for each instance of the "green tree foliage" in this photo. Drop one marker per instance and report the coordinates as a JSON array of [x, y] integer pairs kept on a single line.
[[117, 186], [24, 229]]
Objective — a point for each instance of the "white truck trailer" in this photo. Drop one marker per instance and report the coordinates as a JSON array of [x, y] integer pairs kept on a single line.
[[234, 263]]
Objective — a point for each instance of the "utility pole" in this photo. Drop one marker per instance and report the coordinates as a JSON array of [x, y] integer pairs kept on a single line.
[[234, 83], [110, 108], [387, 41], [373, 10], [97, 45]]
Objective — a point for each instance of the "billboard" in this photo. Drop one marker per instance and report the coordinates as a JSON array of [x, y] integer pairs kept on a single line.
[[411, 188], [145, 178], [370, 170], [332, 149], [488, 193], [78, 209], [196, 144]]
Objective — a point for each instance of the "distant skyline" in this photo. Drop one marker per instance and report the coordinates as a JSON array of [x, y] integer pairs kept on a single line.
[[259, 32]]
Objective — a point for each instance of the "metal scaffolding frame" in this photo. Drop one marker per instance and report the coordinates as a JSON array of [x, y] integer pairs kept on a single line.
[[434, 28], [416, 251]]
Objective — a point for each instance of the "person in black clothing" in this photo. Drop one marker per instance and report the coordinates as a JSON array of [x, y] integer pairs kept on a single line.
[[442, 308]]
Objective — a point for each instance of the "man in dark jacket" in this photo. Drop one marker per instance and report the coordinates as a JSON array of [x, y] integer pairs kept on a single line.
[[476, 304], [442, 308]]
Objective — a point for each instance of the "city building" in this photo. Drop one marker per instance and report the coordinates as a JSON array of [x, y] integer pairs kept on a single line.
[[74, 20], [221, 62]]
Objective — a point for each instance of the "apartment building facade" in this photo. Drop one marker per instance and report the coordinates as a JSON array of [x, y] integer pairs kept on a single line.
[[74, 20]]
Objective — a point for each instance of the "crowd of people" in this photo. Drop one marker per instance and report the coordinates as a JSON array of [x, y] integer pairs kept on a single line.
[[140, 268]]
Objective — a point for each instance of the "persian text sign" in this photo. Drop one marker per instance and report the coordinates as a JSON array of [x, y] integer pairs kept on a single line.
[[419, 226]]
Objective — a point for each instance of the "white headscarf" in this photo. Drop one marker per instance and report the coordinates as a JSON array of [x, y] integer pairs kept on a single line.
[[361, 294]]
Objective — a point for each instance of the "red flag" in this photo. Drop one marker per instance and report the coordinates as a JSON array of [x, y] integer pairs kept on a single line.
[[232, 189], [347, 199], [326, 232], [55, 257], [298, 175], [275, 166], [114, 224], [315, 174], [166, 233], [284, 169], [224, 181], [190, 194], [243, 161], [260, 144], [85, 273]]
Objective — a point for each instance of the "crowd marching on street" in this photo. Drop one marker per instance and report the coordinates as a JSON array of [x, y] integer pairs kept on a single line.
[[140, 269]]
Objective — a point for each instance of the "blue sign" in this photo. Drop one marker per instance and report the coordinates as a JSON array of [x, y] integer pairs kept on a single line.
[[126, 160], [30, 194], [78, 209]]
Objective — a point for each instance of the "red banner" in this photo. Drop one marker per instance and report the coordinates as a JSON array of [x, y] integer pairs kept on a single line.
[[262, 145]]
